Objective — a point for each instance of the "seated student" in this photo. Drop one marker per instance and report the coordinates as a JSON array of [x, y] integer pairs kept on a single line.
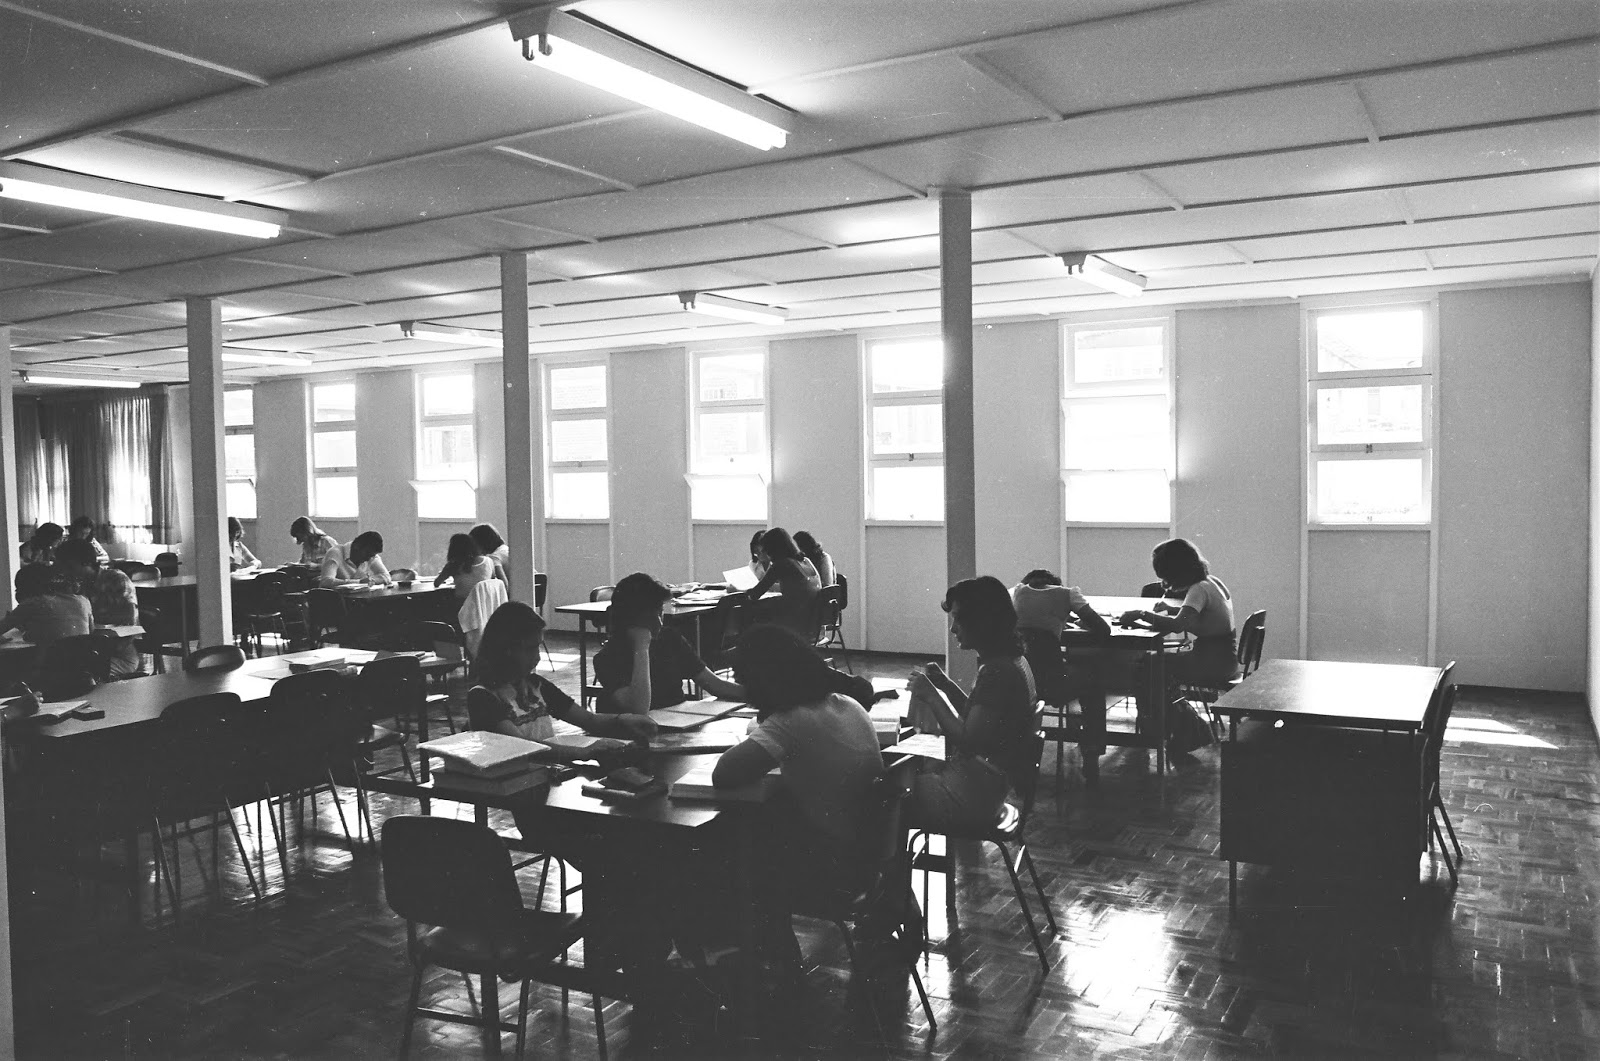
[[494, 547], [357, 563], [1044, 607], [41, 547], [114, 603], [240, 558], [82, 529], [797, 582], [1206, 612], [756, 561], [47, 608], [314, 544], [990, 730], [76, 565], [643, 664], [825, 747], [466, 566], [818, 557]]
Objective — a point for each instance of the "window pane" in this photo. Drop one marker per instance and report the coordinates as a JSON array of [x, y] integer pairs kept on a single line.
[[238, 407], [1371, 491], [730, 442], [1118, 497], [915, 491], [1117, 433], [241, 499], [731, 377], [335, 496], [577, 440], [1118, 355], [907, 429], [447, 395], [449, 453], [239, 456], [333, 401], [1360, 342], [916, 366], [578, 388], [334, 449], [579, 495], [448, 500], [1369, 414], [733, 497]]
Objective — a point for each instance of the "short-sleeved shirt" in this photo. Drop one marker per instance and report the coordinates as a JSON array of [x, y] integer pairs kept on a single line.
[[528, 705], [672, 662], [314, 549], [828, 754], [482, 569], [1213, 608], [1000, 715], [1046, 607], [49, 617], [339, 557]]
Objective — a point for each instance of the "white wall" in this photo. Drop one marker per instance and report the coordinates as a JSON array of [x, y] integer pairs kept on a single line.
[[649, 457], [386, 445], [282, 469], [1593, 685]]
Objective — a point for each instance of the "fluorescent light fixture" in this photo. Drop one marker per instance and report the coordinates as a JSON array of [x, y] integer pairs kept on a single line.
[[79, 191], [731, 308], [454, 336], [585, 52], [239, 355], [80, 381], [1093, 269]]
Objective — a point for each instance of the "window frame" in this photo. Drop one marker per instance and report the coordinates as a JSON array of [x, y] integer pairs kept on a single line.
[[1071, 393], [1424, 375], [423, 422], [255, 467], [698, 407], [552, 415], [319, 472], [872, 401]]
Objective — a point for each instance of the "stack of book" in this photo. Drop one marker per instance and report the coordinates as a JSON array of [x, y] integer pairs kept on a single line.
[[492, 764], [888, 721], [319, 659], [696, 785], [693, 713]]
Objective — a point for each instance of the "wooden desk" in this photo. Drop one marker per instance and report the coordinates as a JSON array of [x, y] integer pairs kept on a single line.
[[1364, 695]]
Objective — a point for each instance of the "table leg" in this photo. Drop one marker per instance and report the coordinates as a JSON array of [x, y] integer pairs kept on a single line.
[[583, 660], [135, 871], [1158, 679], [744, 878], [489, 989]]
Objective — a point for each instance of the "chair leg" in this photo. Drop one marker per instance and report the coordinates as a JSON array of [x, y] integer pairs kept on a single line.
[[522, 1020], [1049, 915], [338, 805], [1233, 887], [599, 1026], [1022, 901], [1439, 806], [849, 944], [1443, 853], [922, 993], [411, 1011], [244, 859]]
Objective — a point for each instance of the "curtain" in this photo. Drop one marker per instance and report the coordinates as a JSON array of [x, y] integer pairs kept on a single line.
[[107, 458]]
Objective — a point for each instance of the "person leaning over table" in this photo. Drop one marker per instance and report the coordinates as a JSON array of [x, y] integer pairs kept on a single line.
[[644, 663], [989, 731], [76, 565], [818, 557], [82, 529], [465, 566], [40, 548], [314, 544], [1044, 607], [797, 582], [492, 545], [47, 607], [1206, 612], [114, 603], [240, 558], [358, 563]]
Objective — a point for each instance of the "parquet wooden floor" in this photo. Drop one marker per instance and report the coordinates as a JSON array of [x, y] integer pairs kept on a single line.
[[1148, 965]]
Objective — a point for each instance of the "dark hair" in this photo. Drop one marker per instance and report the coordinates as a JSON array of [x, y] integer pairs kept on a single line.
[[235, 528], [1042, 576], [487, 537], [462, 550], [302, 527], [755, 543], [47, 534], [1178, 563], [81, 523], [987, 615], [779, 670], [512, 623], [634, 596], [75, 552], [806, 543], [778, 545], [369, 542], [32, 580]]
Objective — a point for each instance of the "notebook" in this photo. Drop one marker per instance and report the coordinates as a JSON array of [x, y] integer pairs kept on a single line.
[[482, 753], [927, 745], [696, 785], [742, 578]]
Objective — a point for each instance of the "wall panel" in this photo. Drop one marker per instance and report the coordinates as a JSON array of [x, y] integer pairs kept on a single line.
[[1368, 596]]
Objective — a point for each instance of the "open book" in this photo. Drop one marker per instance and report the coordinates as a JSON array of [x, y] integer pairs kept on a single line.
[[696, 785]]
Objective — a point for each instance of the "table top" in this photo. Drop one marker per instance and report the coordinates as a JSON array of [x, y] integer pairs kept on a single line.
[[418, 588], [601, 607], [1369, 695], [569, 797]]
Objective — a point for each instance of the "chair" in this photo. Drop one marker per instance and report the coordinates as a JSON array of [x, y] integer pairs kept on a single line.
[[541, 592], [214, 658], [1007, 837], [168, 564], [1434, 724], [1152, 589], [261, 609], [453, 883], [1252, 636], [71, 666], [138, 572], [883, 893], [325, 614], [721, 631], [309, 729], [481, 603], [601, 624], [395, 688], [830, 618]]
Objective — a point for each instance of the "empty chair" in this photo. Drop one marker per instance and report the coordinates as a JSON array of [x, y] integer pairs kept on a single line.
[[137, 572], [214, 658], [309, 730], [325, 613], [1434, 724], [453, 883], [167, 564], [71, 666], [1152, 589]]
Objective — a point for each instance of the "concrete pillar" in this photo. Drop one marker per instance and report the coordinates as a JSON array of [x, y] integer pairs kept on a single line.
[[955, 328], [10, 516], [520, 421], [208, 561]]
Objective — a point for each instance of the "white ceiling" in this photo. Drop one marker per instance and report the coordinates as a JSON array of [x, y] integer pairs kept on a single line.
[[1227, 150]]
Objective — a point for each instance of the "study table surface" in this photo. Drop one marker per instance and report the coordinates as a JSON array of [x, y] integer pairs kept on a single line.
[[1363, 695]]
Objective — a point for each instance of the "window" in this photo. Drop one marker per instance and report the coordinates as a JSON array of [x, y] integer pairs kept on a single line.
[[577, 448], [728, 463], [1369, 410], [333, 451], [239, 451], [447, 448], [1116, 423], [905, 418]]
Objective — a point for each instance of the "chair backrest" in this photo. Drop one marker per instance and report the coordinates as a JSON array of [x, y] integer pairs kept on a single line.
[[723, 629], [311, 725], [214, 657], [541, 590], [842, 584], [267, 593], [141, 573], [1433, 719], [71, 666], [325, 609], [1152, 589], [600, 593], [481, 602], [1252, 635], [167, 564], [429, 636], [392, 686], [455, 874], [830, 608], [204, 743]]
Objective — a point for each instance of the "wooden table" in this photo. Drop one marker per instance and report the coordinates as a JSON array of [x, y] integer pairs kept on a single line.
[[1382, 696]]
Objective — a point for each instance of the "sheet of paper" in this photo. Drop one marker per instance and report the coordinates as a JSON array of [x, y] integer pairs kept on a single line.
[[927, 745]]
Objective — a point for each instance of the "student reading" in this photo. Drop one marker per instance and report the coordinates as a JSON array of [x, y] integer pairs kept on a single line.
[[643, 665], [360, 561], [465, 565], [314, 544], [797, 581], [494, 547], [82, 529], [240, 558]]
